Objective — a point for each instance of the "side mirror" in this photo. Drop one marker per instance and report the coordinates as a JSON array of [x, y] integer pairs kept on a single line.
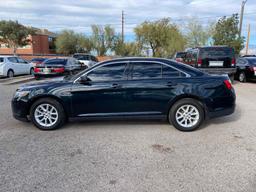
[[84, 80]]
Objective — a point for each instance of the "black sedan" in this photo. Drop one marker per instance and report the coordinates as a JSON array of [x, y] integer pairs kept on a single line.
[[57, 66], [246, 69], [150, 88]]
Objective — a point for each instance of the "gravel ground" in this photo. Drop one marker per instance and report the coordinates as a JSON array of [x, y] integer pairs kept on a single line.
[[130, 156]]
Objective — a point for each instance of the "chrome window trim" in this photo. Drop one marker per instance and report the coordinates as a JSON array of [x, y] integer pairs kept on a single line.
[[133, 61]]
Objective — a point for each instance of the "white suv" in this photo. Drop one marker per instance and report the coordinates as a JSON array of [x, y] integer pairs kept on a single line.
[[13, 65], [86, 60]]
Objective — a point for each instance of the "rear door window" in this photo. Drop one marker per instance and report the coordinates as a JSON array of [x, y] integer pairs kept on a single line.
[[13, 59], [146, 71], [169, 72], [154, 71]]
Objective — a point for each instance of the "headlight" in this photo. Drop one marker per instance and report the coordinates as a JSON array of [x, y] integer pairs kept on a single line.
[[20, 94]]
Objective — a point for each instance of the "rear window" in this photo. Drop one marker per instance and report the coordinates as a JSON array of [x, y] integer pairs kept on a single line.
[[81, 57], [56, 62], [180, 55], [1, 59], [38, 59], [216, 52]]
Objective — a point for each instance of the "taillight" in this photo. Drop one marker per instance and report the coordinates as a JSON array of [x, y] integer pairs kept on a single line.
[[36, 70], [199, 62], [58, 70], [233, 62], [228, 84]]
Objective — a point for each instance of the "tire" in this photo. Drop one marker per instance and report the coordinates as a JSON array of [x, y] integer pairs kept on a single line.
[[37, 77], [242, 77], [10, 73], [232, 78], [41, 118], [179, 117], [31, 71]]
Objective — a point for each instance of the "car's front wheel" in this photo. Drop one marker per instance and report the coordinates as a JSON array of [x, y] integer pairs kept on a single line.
[[186, 115], [47, 114]]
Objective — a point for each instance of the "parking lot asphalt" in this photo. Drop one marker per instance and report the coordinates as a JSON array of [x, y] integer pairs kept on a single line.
[[130, 155]]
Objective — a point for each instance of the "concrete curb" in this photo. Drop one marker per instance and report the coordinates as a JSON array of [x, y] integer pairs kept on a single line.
[[17, 81]]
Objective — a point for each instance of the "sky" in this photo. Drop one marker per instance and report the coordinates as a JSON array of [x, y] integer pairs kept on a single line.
[[79, 15]]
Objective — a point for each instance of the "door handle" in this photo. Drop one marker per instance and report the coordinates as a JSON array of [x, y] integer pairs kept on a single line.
[[115, 86]]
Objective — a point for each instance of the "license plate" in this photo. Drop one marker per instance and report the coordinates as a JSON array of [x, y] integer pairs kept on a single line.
[[216, 63], [46, 70]]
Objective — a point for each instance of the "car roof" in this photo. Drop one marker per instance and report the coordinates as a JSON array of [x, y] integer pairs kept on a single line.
[[6, 56]]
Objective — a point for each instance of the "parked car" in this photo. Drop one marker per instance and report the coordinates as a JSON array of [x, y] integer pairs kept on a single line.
[[53, 67], [128, 88], [246, 69], [179, 56], [11, 66], [213, 60], [37, 61], [86, 59]]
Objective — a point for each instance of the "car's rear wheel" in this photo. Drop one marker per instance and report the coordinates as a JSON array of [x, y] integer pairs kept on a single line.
[[10, 73], [186, 115], [242, 77], [47, 114], [32, 71]]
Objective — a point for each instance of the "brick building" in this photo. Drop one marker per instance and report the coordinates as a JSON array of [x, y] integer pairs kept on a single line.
[[40, 43]]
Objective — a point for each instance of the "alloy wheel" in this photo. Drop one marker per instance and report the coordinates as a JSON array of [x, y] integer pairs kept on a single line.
[[187, 116], [46, 115], [241, 77]]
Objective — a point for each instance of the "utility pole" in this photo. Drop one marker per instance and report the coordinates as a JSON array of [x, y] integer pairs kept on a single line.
[[248, 40], [122, 26], [241, 17]]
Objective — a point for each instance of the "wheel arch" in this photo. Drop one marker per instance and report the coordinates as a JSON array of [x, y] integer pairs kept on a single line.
[[33, 100], [187, 96]]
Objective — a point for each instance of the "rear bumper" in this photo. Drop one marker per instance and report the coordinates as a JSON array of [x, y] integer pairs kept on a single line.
[[219, 71], [222, 112], [47, 74]]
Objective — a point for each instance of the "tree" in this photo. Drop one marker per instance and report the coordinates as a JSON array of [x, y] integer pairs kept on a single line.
[[162, 37], [69, 42], [226, 32], [14, 35], [126, 48], [103, 39], [197, 34]]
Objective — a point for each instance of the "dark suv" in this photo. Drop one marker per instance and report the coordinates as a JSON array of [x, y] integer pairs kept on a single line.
[[128, 88], [213, 59]]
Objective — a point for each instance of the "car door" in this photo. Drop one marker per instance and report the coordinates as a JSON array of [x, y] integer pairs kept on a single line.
[[103, 94], [151, 86], [24, 66], [14, 65]]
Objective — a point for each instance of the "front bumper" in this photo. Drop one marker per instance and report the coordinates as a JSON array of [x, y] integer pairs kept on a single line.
[[20, 110]]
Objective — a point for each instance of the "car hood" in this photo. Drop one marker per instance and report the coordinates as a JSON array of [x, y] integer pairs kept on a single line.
[[49, 84]]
